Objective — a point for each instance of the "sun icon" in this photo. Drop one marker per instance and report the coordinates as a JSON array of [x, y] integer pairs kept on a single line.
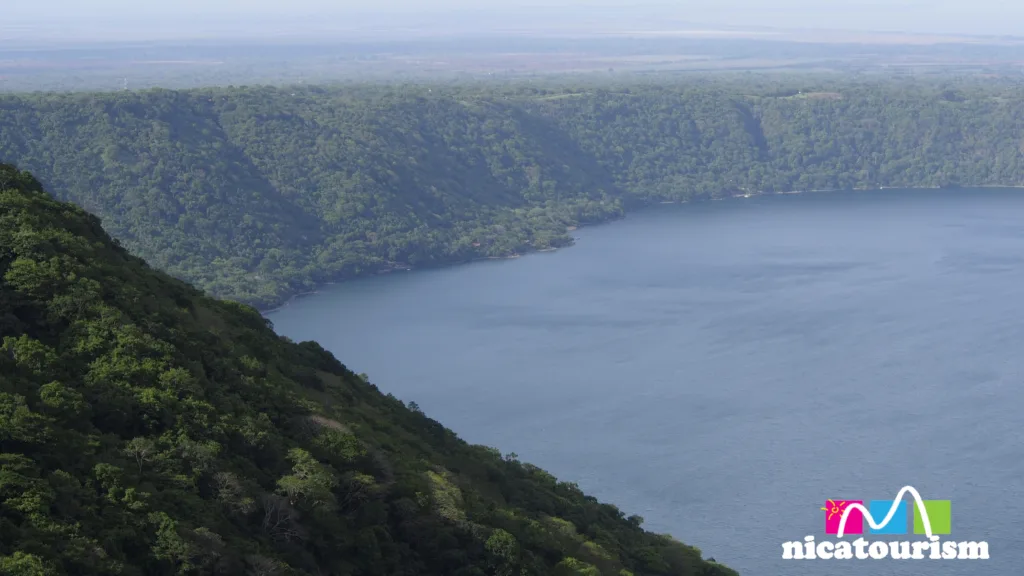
[[834, 507]]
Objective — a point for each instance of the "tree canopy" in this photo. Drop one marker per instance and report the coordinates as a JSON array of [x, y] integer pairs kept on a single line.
[[260, 193]]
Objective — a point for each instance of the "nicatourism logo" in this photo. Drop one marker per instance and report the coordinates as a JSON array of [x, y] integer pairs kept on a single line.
[[925, 519]]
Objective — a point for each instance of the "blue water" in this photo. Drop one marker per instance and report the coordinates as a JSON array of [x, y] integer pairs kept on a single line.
[[723, 368]]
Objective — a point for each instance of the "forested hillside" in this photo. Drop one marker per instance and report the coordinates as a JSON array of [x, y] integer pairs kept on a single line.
[[146, 429], [256, 194]]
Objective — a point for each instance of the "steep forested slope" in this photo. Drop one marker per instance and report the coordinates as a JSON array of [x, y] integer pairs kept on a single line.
[[258, 193], [146, 429]]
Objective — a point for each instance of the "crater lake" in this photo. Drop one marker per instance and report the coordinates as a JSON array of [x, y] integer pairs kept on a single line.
[[723, 368]]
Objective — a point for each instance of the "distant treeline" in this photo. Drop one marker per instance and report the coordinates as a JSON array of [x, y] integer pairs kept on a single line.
[[257, 194]]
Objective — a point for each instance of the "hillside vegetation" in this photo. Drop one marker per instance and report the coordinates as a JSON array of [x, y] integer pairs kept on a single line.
[[147, 429], [257, 194]]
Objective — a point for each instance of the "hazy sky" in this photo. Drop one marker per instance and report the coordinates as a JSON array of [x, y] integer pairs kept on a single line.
[[960, 16]]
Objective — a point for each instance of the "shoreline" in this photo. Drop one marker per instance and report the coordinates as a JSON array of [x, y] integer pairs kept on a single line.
[[404, 268], [653, 203], [288, 301]]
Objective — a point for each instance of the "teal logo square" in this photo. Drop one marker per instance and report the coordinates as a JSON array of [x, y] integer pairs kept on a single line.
[[880, 509]]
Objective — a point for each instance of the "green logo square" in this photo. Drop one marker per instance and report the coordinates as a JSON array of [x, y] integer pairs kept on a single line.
[[938, 515]]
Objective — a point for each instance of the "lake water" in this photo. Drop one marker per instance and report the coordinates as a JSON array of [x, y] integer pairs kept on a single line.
[[723, 368]]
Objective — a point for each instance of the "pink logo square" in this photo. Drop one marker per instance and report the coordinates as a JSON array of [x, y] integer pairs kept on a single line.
[[834, 513]]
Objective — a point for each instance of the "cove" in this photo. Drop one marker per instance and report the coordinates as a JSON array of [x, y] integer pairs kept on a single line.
[[723, 368]]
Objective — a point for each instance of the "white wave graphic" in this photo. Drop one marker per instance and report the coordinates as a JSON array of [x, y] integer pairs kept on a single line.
[[892, 512]]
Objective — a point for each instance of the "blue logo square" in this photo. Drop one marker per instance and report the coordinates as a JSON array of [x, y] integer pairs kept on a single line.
[[897, 525]]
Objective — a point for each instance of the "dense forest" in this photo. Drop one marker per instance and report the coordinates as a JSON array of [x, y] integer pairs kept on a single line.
[[257, 194], [147, 429]]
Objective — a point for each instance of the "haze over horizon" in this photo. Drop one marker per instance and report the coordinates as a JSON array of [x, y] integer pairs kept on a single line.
[[112, 20]]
